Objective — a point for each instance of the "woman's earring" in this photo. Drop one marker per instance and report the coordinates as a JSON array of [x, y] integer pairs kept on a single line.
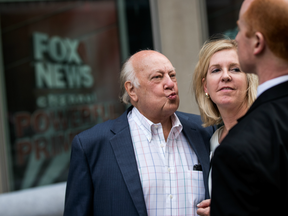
[[207, 95]]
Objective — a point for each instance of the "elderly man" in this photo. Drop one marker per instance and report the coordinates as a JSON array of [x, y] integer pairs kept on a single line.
[[149, 161], [250, 167]]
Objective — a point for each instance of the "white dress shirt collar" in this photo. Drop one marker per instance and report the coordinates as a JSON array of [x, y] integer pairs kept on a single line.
[[146, 125], [270, 83]]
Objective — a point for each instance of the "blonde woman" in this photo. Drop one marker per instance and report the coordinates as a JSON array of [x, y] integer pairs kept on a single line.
[[223, 93]]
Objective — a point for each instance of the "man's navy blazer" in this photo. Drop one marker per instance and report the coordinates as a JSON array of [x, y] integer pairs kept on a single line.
[[103, 175]]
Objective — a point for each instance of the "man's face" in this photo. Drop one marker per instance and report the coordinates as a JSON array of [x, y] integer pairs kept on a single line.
[[245, 45], [157, 95]]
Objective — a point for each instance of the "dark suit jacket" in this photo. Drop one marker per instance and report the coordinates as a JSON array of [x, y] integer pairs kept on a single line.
[[250, 167], [103, 175]]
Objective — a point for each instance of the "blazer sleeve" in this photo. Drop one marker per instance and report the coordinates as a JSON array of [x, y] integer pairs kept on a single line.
[[79, 191]]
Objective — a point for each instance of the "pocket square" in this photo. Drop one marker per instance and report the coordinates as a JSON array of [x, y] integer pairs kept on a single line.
[[197, 167]]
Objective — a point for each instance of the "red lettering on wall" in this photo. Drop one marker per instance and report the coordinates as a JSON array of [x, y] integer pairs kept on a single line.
[[40, 121], [74, 117], [85, 115], [59, 120], [59, 144], [23, 148], [22, 122], [41, 146]]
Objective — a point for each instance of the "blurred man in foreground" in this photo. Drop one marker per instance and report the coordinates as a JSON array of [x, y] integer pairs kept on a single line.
[[250, 167]]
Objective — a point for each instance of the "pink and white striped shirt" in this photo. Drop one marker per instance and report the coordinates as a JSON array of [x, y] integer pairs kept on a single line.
[[170, 185]]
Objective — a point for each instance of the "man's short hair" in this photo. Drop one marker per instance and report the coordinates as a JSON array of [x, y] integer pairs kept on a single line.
[[270, 17], [127, 74], [209, 112]]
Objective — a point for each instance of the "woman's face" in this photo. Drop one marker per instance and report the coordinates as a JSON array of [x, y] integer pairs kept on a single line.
[[225, 82]]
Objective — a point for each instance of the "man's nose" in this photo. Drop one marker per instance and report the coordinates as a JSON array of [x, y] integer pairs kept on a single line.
[[169, 82]]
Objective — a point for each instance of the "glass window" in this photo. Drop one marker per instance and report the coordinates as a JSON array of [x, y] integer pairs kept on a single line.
[[61, 63], [222, 16]]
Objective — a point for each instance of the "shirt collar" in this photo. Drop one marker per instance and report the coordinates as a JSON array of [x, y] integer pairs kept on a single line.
[[270, 83], [146, 125], [176, 126]]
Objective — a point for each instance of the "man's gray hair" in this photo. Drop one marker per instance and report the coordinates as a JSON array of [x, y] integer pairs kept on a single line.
[[127, 74]]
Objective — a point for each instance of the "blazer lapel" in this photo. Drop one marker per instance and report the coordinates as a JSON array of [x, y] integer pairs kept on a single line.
[[196, 142], [125, 156]]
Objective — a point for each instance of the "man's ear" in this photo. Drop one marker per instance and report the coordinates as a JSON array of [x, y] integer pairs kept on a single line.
[[259, 43], [130, 89]]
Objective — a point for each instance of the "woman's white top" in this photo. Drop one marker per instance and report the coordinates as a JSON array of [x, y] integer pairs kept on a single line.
[[214, 143]]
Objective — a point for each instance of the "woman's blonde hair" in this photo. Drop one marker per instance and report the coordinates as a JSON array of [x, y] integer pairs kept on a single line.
[[209, 112]]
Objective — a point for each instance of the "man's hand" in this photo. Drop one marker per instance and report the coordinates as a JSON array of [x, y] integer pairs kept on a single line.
[[204, 208]]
